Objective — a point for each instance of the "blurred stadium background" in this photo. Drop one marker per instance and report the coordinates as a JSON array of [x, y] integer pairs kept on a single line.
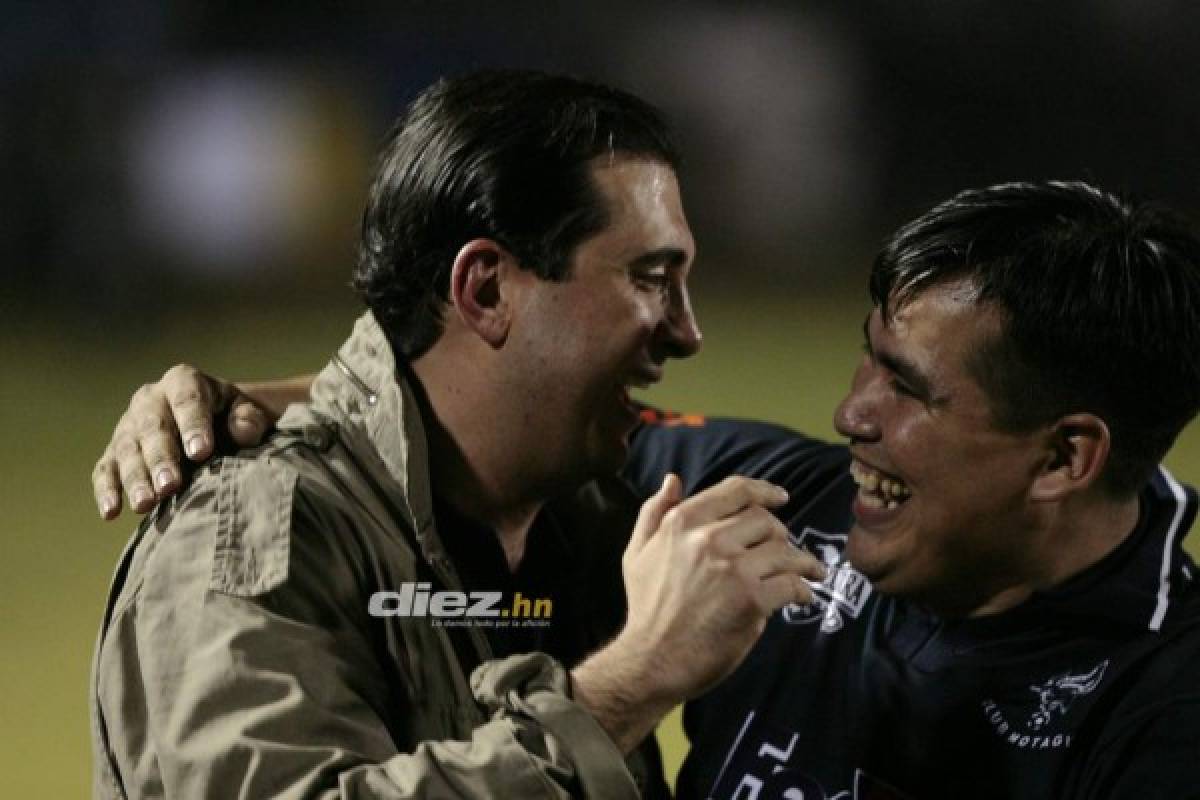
[[183, 179]]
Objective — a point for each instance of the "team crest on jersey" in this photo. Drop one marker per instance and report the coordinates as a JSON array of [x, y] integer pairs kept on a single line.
[[1055, 696], [843, 593]]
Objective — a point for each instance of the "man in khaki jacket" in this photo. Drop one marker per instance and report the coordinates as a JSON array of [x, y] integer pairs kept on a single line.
[[320, 616]]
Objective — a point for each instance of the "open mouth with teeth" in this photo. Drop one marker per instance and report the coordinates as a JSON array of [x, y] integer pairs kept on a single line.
[[877, 490]]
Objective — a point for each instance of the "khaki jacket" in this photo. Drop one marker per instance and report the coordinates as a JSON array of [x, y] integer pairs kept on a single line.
[[237, 657]]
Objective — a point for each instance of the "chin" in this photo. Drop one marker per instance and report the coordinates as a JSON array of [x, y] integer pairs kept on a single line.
[[866, 559]]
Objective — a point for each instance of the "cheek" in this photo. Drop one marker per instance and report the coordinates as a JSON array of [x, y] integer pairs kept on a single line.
[[945, 458], [620, 329], [634, 312], [914, 445]]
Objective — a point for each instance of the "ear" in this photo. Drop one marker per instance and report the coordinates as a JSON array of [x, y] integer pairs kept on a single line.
[[1078, 447], [477, 292]]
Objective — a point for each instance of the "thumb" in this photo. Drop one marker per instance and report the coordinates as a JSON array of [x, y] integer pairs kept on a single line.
[[248, 423], [654, 509]]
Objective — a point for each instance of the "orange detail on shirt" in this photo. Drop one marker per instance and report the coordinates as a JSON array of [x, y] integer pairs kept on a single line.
[[672, 419]]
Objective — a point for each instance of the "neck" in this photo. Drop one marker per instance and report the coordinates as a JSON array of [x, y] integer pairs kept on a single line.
[[1075, 535], [478, 463], [1088, 533]]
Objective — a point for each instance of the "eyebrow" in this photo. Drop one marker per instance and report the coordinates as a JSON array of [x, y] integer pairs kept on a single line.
[[906, 370], [662, 256]]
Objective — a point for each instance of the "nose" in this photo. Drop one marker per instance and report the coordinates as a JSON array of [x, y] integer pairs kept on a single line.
[[856, 416], [681, 332]]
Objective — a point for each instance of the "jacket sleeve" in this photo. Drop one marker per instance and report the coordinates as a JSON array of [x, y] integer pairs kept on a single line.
[[240, 666]]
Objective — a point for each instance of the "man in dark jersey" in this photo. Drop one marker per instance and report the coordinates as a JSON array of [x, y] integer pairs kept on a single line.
[[1008, 610]]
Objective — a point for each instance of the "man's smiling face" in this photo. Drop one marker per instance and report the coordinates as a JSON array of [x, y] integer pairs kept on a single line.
[[943, 509], [583, 343]]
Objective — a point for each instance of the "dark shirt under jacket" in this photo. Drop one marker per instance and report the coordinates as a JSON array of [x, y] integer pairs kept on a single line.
[[548, 570], [573, 558]]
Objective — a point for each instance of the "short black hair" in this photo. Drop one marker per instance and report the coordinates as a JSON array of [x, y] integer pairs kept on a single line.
[[1100, 298], [497, 154]]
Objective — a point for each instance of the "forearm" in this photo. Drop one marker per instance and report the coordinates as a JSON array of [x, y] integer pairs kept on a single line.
[[275, 396]]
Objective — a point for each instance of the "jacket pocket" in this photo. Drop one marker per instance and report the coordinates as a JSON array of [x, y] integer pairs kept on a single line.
[[254, 518]]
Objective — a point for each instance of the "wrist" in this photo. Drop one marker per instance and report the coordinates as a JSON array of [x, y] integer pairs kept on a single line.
[[622, 686]]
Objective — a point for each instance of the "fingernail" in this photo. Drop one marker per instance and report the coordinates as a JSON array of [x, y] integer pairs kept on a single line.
[[195, 443], [163, 478], [781, 494], [108, 504], [141, 495]]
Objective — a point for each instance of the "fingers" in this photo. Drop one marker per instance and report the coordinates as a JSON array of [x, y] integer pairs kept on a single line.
[[754, 544], [776, 557], [105, 486], [731, 513], [144, 455], [247, 422], [145, 449], [160, 454], [193, 398], [650, 516], [145, 444], [727, 498], [747, 528], [783, 589], [784, 575], [132, 469], [178, 409]]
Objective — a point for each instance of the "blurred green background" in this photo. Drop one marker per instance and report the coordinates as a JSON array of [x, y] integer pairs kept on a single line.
[[785, 356]]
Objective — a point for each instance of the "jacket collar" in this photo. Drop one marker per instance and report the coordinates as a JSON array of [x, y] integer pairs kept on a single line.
[[376, 413]]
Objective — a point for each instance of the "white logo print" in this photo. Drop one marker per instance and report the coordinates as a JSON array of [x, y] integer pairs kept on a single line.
[[1058, 693], [844, 591], [1055, 698]]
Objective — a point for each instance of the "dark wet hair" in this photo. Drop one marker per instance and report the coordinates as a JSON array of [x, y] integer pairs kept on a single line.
[[500, 154], [1100, 297]]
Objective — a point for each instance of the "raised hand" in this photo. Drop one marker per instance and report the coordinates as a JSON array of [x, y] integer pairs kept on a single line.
[[702, 576]]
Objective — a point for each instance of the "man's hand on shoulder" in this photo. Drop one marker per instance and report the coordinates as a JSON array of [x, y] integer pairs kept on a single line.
[[163, 421], [702, 576]]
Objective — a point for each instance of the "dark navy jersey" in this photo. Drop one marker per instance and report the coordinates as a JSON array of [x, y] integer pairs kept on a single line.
[[1091, 690]]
